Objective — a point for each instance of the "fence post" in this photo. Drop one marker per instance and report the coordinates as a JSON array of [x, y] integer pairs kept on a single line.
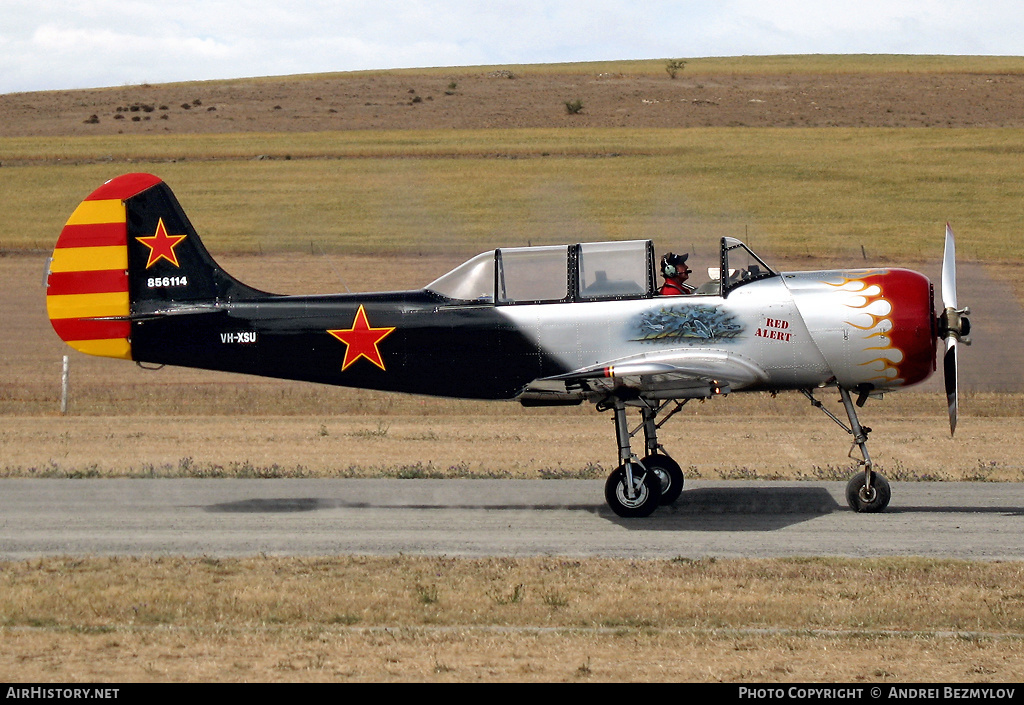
[[64, 388]]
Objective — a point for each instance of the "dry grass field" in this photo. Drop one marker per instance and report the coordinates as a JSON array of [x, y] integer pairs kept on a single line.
[[434, 166], [510, 619]]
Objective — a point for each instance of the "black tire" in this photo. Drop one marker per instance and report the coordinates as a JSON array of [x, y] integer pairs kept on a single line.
[[670, 476], [647, 489], [861, 499]]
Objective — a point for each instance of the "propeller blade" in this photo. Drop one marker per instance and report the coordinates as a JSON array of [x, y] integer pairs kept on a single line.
[[949, 370], [949, 270]]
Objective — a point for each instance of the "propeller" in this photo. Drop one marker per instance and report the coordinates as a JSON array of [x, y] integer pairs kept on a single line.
[[954, 326]]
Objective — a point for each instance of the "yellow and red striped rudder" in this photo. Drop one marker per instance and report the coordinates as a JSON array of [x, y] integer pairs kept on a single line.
[[87, 285]]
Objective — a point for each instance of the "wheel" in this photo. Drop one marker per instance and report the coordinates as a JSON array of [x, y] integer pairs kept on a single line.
[[646, 491], [670, 475], [864, 499]]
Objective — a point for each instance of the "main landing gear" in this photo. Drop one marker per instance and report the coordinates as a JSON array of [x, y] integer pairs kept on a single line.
[[637, 487], [867, 491]]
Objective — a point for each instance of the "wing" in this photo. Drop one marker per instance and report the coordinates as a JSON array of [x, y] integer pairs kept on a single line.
[[674, 374]]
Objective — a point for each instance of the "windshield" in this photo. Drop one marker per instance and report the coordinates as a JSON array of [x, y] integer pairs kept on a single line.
[[741, 266]]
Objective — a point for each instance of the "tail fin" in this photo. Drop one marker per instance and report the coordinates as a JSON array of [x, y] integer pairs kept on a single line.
[[127, 252]]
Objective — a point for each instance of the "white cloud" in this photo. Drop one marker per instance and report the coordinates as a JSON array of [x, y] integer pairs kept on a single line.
[[869, 26], [112, 42]]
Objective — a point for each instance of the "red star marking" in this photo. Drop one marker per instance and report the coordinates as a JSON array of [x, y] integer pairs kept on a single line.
[[161, 245], [362, 340]]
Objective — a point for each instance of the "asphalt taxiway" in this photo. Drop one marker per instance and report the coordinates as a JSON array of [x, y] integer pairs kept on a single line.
[[977, 521]]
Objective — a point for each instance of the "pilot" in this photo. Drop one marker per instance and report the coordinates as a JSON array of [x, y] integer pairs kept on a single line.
[[675, 271]]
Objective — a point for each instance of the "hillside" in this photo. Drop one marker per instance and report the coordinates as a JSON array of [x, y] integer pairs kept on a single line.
[[531, 97]]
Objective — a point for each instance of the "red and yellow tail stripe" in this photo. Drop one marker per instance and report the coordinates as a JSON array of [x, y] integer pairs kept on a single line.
[[87, 287]]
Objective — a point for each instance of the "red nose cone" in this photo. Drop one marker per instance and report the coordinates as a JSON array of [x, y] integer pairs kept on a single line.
[[913, 321]]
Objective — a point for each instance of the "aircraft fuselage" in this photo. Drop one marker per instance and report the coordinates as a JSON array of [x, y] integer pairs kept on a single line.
[[794, 331]]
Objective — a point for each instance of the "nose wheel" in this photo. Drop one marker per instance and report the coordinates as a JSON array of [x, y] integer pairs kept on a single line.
[[865, 496], [867, 491]]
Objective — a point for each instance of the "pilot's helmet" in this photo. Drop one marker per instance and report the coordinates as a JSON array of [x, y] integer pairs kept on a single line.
[[673, 264]]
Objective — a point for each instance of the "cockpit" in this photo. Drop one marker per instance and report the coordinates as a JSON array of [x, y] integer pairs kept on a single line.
[[592, 271]]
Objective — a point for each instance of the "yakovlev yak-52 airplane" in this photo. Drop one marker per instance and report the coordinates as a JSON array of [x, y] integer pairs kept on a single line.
[[548, 325]]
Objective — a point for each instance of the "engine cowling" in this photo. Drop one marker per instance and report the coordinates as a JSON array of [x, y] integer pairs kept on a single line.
[[875, 327]]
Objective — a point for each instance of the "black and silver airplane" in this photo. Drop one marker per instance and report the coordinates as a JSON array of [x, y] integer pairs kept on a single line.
[[550, 325]]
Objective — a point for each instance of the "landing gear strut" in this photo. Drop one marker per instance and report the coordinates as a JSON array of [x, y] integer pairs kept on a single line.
[[670, 475], [867, 491], [631, 491], [637, 487]]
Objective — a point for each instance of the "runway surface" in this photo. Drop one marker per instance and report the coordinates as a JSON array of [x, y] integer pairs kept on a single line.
[[499, 517]]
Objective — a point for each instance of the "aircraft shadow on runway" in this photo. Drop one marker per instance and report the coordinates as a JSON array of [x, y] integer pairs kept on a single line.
[[708, 509], [740, 509], [1006, 511], [701, 509]]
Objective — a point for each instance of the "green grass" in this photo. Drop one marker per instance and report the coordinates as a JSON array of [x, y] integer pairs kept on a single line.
[[789, 192]]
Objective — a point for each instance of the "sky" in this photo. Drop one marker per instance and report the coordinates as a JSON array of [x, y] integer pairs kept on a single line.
[[61, 44]]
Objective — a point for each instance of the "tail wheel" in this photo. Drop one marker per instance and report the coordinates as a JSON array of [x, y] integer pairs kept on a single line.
[[862, 498], [670, 476], [645, 495]]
